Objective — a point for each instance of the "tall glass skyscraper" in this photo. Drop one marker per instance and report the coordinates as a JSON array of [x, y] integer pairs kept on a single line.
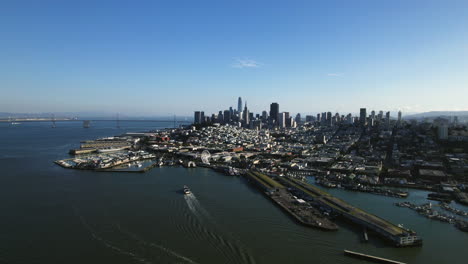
[[239, 105], [274, 111]]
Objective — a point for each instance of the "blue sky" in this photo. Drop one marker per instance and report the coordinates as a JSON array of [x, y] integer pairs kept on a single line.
[[174, 57]]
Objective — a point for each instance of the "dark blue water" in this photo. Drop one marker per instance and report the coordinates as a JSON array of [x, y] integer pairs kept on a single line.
[[55, 215]]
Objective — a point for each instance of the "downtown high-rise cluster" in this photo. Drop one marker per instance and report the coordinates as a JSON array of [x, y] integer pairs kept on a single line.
[[242, 117]]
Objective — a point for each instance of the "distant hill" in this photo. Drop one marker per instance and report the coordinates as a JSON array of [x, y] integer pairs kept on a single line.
[[435, 114], [90, 115]]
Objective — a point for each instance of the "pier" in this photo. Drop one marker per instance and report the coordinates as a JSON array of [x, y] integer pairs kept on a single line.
[[298, 209], [371, 258], [398, 236]]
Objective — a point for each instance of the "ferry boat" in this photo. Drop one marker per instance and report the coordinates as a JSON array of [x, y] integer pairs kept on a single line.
[[186, 189]]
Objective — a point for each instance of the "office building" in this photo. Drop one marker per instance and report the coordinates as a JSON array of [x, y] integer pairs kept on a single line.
[[387, 120], [287, 119], [399, 117], [363, 116], [274, 111], [246, 115], [197, 119], [227, 116], [281, 120]]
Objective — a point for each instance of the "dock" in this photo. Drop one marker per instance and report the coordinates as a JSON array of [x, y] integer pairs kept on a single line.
[[298, 209], [397, 235], [371, 258]]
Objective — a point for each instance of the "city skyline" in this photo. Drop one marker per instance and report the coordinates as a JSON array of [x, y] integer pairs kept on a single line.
[[69, 57]]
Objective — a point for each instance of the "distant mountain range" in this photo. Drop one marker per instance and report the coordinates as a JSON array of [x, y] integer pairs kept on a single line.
[[435, 114]]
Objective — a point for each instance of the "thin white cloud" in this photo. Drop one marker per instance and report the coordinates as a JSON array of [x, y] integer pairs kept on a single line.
[[334, 75], [246, 63]]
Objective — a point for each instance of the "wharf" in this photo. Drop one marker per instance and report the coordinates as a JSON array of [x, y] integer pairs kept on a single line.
[[399, 236], [371, 258], [299, 209]]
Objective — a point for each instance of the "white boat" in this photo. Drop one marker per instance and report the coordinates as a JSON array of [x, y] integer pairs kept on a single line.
[[186, 189]]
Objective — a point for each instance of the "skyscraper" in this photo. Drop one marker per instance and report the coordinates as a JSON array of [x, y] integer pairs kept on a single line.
[[298, 118], [281, 118], [239, 105], [246, 115], [287, 119], [362, 116], [328, 120], [227, 116], [380, 116], [274, 111], [197, 117], [387, 120], [399, 117]]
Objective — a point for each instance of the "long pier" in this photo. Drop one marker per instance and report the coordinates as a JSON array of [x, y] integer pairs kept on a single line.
[[371, 258], [298, 209], [397, 235]]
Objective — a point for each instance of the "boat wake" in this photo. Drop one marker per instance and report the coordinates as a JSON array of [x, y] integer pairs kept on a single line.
[[230, 247], [134, 237], [151, 244], [108, 244]]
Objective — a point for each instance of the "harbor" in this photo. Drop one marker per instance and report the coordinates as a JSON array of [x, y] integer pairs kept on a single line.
[[395, 234], [154, 197], [429, 211], [297, 208]]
